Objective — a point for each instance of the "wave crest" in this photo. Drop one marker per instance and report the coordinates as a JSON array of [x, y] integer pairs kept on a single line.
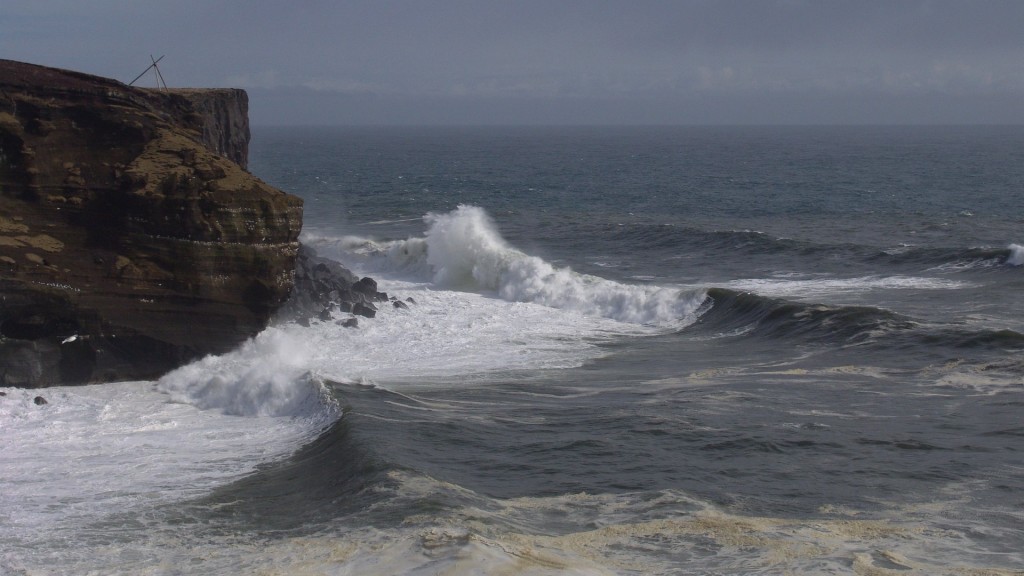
[[1016, 257], [465, 251], [266, 376]]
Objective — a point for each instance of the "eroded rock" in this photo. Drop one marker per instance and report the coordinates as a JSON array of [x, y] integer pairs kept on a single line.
[[127, 220]]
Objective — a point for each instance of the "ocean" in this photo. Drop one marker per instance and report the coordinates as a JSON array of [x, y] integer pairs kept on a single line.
[[626, 350]]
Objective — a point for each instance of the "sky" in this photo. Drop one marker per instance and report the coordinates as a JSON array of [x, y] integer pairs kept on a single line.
[[554, 61]]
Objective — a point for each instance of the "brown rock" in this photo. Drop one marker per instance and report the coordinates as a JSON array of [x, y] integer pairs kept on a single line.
[[127, 219]]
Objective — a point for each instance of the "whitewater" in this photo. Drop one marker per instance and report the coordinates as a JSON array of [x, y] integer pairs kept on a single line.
[[691, 359], [104, 448]]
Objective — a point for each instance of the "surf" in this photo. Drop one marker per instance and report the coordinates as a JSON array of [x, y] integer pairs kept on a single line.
[[463, 250]]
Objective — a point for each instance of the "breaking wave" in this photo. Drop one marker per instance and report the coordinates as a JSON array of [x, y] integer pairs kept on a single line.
[[266, 376], [1016, 257], [463, 250]]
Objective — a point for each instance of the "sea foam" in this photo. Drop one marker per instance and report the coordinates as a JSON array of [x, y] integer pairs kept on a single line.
[[1016, 257], [87, 473], [463, 250], [266, 376]]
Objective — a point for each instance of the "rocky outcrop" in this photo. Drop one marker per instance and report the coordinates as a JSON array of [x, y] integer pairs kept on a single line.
[[131, 238], [323, 287]]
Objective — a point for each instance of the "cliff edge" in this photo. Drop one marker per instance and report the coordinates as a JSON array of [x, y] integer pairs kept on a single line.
[[132, 239]]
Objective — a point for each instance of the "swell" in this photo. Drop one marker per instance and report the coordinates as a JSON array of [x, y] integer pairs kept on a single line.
[[753, 243], [340, 473], [955, 259], [745, 314]]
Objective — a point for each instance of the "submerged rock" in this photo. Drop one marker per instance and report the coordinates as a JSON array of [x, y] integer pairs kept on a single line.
[[128, 223]]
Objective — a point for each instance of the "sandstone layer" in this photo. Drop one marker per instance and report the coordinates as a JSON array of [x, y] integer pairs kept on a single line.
[[131, 237]]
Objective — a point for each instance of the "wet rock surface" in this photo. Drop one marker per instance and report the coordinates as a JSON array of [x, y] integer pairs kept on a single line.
[[323, 287]]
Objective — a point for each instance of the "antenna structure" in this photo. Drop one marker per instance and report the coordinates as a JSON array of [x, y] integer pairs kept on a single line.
[[159, 77]]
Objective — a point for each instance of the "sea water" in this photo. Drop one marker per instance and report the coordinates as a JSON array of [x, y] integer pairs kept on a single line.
[[626, 351]]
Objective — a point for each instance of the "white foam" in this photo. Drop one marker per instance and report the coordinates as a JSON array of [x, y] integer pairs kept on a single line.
[[1016, 257], [447, 334], [664, 532], [132, 448], [463, 250], [98, 453], [818, 287], [266, 376], [116, 450]]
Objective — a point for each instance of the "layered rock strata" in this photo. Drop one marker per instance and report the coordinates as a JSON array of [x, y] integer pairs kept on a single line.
[[131, 238]]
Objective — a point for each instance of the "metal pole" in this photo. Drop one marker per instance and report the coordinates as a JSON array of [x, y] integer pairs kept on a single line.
[[147, 69]]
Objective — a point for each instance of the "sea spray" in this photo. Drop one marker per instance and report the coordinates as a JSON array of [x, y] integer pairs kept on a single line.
[[266, 376], [466, 251], [463, 250], [1016, 257]]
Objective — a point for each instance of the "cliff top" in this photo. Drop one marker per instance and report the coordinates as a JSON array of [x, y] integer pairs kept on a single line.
[[24, 75]]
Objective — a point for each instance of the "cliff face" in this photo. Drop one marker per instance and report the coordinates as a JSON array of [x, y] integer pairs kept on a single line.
[[130, 241], [221, 115]]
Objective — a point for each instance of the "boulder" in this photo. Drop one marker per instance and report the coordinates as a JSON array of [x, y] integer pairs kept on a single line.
[[323, 286], [366, 310], [368, 288]]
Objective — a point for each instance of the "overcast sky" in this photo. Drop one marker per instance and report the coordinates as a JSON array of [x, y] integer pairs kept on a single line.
[[551, 61]]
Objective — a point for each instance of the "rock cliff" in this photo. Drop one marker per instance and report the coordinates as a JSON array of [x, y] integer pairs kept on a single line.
[[131, 238], [220, 115]]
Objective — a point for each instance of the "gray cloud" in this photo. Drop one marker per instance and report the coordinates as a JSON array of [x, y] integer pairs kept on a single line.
[[567, 61]]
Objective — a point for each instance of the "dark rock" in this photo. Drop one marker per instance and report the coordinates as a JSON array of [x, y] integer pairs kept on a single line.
[[24, 363], [367, 287], [410, 300], [224, 121], [77, 360], [349, 323], [3, 393], [39, 400], [319, 283], [125, 218], [322, 285], [400, 305], [366, 310]]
